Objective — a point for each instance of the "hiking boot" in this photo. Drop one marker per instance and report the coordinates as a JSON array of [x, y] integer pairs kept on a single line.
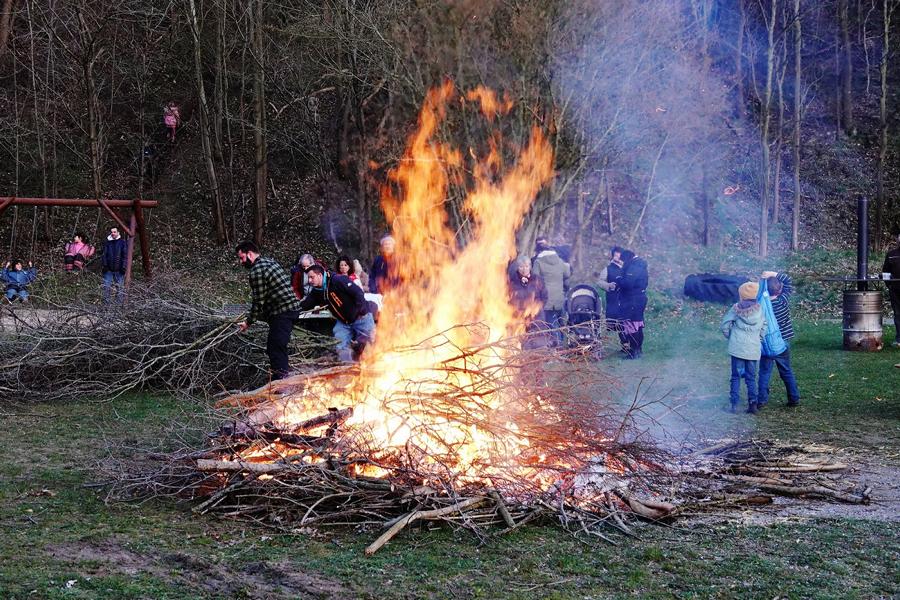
[[752, 409], [762, 404], [793, 402]]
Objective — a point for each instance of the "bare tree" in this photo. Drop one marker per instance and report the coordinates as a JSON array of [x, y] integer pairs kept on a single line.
[[887, 11], [798, 117], [218, 210], [6, 15], [766, 166], [848, 122], [259, 134]]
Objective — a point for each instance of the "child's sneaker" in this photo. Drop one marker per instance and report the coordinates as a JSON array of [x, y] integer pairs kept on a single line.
[[753, 409]]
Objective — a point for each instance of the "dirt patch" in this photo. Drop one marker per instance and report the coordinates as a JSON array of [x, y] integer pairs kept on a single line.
[[252, 580]]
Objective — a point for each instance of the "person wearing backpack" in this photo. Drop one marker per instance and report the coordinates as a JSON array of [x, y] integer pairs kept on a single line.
[[780, 289], [744, 327]]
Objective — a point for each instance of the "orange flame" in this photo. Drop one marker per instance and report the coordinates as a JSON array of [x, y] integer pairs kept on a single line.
[[423, 346]]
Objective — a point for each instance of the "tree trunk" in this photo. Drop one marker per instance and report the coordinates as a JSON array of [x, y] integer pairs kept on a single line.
[[260, 215], [219, 85], [883, 137], [706, 204], [89, 55], [767, 121], [218, 212], [798, 98], [739, 59], [5, 25], [782, 72], [846, 70]]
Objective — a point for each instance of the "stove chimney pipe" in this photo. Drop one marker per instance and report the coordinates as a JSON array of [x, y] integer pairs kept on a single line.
[[862, 243]]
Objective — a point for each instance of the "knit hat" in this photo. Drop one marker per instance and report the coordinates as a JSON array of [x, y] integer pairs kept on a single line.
[[749, 290]]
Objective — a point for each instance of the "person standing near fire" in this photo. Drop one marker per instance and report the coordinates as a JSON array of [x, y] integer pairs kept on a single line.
[[383, 274], [271, 300], [892, 267], [555, 273], [346, 301]]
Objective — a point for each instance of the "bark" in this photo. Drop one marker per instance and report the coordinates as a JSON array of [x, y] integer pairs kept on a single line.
[[739, 59], [846, 70], [89, 55], [766, 167], [706, 203], [6, 16], [883, 137], [218, 212], [798, 97], [782, 73], [260, 142]]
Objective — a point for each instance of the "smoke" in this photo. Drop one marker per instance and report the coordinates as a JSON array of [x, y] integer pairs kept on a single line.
[[641, 92]]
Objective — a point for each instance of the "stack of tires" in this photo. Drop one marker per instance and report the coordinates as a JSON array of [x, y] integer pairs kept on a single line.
[[714, 287]]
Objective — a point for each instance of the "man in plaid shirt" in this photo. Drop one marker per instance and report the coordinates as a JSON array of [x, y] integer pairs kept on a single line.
[[272, 301]]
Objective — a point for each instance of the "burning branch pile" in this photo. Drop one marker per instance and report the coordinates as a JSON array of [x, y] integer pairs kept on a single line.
[[439, 421], [503, 445]]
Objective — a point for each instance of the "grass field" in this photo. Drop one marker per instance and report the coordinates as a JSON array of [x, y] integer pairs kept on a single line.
[[58, 539]]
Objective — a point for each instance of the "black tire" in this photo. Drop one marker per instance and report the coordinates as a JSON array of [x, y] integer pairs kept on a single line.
[[714, 287]]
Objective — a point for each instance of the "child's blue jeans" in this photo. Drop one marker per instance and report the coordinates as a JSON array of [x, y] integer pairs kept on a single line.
[[746, 369]]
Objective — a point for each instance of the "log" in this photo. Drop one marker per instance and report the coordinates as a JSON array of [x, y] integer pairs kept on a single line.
[[757, 480], [501, 507], [235, 466], [437, 513], [645, 507], [816, 490]]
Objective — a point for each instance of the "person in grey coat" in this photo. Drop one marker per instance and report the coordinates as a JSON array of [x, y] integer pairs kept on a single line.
[[555, 273], [744, 327]]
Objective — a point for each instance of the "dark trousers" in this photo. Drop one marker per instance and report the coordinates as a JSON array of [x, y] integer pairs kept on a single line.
[[783, 362], [280, 328], [634, 341], [746, 370], [894, 295]]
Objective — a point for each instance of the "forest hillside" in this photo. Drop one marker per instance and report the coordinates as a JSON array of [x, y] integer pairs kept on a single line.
[[688, 128]]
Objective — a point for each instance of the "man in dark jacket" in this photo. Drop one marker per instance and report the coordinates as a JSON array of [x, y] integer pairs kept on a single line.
[[271, 300], [347, 302], [632, 286], [114, 264], [892, 266]]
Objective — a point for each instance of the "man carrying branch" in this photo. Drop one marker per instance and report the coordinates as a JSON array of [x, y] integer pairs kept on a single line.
[[347, 302], [272, 301]]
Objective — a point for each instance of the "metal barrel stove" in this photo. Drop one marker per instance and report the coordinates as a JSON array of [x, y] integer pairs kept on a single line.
[[862, 308], [862, 321]]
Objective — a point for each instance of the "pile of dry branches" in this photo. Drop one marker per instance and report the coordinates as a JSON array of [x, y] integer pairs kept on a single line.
[[550, 443], [163, 338], [300, 453]]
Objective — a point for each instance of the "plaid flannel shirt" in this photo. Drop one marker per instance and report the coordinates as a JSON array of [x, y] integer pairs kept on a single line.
[[270, 291]]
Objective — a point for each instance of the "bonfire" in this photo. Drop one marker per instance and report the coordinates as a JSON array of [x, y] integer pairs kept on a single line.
[[445, 417]]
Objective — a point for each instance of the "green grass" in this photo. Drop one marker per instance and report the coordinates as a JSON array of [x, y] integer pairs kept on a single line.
[[54, 530]]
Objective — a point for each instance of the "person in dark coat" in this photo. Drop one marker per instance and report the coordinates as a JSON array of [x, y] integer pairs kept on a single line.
[[383, 275], [892, 266], [609, 280], [347, 303], [527, 293], [114, 264], [632, 286]]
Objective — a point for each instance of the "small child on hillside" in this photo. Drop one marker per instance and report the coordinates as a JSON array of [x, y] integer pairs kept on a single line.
[[744, 327]]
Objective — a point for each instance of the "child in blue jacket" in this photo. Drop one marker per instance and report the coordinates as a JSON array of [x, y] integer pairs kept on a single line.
[[744, 326], [17, 280]]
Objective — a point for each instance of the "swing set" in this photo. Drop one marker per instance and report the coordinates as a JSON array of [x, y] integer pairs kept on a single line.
[[136, 228]]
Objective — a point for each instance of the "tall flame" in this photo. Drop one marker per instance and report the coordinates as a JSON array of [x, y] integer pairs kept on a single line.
[[439, 327]]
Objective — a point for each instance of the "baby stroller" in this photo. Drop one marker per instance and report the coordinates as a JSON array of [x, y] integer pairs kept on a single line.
[[585, 325]]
